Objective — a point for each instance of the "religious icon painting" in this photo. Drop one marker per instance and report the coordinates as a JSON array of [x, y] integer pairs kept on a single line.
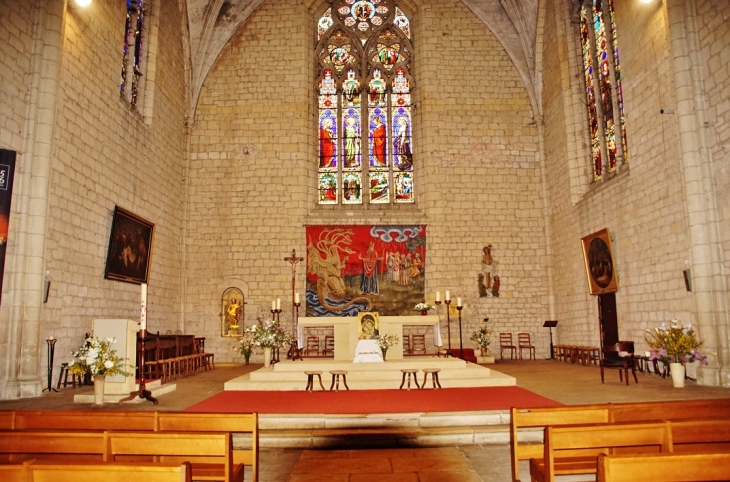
[[379, 193], [600, 267], [357, 269], [351, 128], [368, 327], [328, 188], [402, 154], [378, 141], [352, 188], [327, 139]]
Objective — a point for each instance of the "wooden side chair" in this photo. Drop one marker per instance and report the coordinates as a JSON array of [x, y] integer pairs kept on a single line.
[[505, 343], [329, 345], [611, 357], [407, 345], [312, 345], [524, 343], [419, 344]]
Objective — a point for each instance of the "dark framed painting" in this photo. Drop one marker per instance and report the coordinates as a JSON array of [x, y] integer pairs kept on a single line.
[[130, 248], [600, 267]]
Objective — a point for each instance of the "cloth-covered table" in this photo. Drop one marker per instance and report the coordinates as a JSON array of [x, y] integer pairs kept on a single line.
[[368, 351]]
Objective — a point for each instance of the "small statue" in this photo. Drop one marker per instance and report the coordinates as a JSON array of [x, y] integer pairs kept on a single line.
[[234, 313]]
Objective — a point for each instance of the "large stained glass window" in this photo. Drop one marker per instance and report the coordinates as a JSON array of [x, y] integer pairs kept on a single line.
[[129, 85], [602, 75], [365, 123]]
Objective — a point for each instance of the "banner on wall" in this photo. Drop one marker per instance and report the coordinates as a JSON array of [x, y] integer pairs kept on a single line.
[[7, 169], [365, 268]]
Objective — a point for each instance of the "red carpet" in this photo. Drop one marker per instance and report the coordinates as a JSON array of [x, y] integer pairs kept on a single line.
[[373, 401]]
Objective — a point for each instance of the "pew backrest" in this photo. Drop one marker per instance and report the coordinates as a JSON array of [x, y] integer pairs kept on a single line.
[[85, 420], [110, 472], [672, 466], [523, 418], [703, 435], [670, 410], [17, 472], [22, 445], [7, 419]]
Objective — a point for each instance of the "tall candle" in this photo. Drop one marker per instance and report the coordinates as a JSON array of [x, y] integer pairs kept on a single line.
[[273, 305], [458, 301], [278, 303], [143, 308], [448, 295], [438, 296], [296, 298]]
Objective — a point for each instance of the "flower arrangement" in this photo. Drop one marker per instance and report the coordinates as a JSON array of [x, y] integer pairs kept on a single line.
[[482, 337], [422, 307], [245, 346], [386, 341], [98, 358], [674, 344], [268, 334]]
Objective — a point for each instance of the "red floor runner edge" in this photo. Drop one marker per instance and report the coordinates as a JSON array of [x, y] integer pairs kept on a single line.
[[372, 401]]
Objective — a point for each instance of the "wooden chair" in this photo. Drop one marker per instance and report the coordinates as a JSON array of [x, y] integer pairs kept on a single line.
[[407, 345], [505, 343], [329, 345], [312, 345], [611, 358], [419, 344], [523, 342]]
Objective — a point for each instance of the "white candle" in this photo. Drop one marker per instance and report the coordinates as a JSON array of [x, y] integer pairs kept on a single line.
[[458, 301], [438, 296], [296, 298], [51, 338], [273, 305], [448, 296], [143, 308], [278, 303]]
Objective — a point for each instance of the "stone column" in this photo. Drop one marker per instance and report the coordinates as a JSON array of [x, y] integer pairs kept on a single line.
[[700, 197]]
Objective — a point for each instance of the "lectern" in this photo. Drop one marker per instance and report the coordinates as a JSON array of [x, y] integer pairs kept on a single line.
[[551, 324]]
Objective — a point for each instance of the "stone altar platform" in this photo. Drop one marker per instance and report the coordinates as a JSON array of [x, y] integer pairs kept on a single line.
[[289, 375]]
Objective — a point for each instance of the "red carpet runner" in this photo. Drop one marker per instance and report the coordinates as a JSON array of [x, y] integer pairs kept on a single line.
[[373, 401]]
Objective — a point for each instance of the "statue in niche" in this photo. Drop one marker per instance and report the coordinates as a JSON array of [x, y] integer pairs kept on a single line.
[[487, 279]]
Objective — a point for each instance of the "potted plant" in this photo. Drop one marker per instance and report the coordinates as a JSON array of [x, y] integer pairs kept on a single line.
[[98, 358], [245, 346], [676, 345], [385, 342], [482, 337], [267, 335], [423, 308]]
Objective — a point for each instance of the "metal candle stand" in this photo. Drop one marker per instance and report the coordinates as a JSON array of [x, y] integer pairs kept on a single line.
[[51, 348], [142, 392], [461, 344], [275, 350], [448, 327], [294, 352]]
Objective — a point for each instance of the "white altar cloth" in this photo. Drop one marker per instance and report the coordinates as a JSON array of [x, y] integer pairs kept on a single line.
[[368, 351]]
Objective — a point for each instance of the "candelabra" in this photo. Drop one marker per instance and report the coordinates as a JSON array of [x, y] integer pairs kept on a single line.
[[294, 351], [275, 350], [461, 344], [51, 348], [447, 302]]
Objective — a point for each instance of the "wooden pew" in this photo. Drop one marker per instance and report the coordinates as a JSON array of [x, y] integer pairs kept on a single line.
[[108, 472], [574, 449], [245, 423], [210, 454], [670, 410], [81, 420], [704, 435], [541, 417], [15, 473], [7, 419], [675, 467], [78, 446]]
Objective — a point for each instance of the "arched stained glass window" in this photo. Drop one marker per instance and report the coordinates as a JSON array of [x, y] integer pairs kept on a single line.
[[364, 87], [129, 85], [602, 75]]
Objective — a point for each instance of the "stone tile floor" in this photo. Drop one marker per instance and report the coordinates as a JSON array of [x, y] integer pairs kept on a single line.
[[565, 383]]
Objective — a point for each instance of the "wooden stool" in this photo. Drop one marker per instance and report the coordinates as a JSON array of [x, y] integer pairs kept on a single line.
[[434, 377], [63, 376], [310, 380], [409, 372], [336, 377]]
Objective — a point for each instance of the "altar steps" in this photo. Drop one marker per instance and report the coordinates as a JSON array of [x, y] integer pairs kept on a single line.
[[289, 375]]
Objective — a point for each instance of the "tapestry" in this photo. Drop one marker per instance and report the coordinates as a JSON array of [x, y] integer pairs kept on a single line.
[[7, 171], [365, 268]]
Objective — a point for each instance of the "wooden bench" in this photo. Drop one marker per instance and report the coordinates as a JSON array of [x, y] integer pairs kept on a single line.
[[670, 410], [703, 435], [77, 446], [542, 417], [676, 467], [574, 449], [106, 472], [15, 473], [210, 454], [81, 420]]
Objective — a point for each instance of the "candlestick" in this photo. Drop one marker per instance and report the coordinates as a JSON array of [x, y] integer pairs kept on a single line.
[[143, 308], [438, 296], [278, 303], [51, 341], [448, 296], [273, 305], [461, 343], [296, 298], [458, 302]]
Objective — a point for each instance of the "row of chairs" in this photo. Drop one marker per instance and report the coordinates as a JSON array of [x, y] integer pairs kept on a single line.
[[313, 346], [168, 369], [523, 343], [414, 344]]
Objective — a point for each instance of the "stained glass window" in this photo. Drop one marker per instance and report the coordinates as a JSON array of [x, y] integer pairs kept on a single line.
[[132, 52], [602, 76], [365, 121]]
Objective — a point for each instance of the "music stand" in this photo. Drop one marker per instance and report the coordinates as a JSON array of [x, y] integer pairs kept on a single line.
[[551, 324]]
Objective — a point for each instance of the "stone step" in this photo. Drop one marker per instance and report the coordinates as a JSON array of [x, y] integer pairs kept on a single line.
[[155, 387]]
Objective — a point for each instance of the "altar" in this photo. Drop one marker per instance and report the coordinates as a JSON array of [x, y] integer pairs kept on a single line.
[[346, 332]]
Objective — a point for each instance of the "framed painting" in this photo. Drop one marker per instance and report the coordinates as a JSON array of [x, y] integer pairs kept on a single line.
[[130, 248], [368, 327], [600, 267]]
